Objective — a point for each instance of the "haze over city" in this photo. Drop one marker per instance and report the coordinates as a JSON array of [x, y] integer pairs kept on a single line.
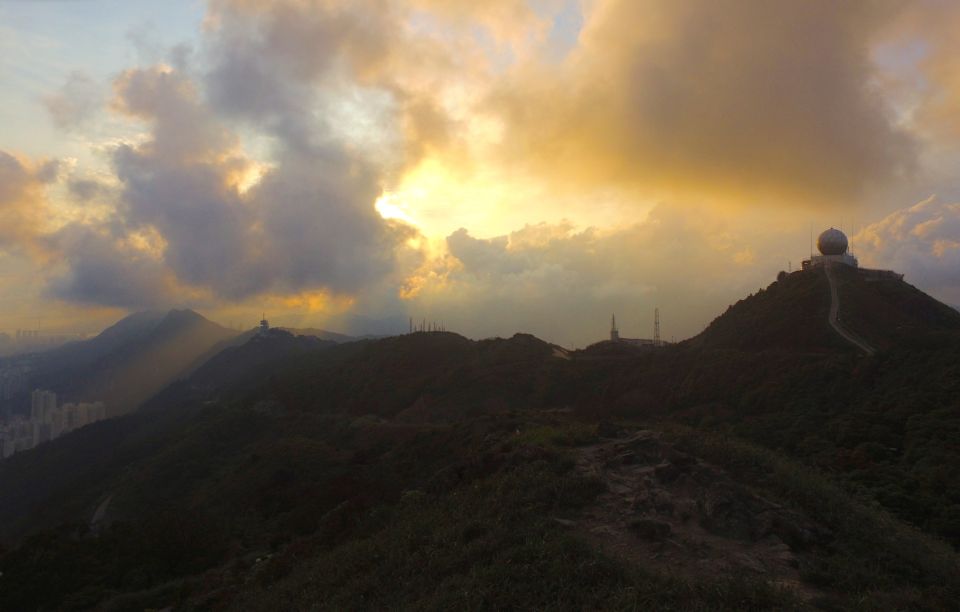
[[502, 166]]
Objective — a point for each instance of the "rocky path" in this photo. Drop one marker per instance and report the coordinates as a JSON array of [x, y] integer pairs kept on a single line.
[[834, 317], [668, 511]]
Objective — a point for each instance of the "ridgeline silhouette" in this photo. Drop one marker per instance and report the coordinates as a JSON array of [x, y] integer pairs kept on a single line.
[[765, 463]]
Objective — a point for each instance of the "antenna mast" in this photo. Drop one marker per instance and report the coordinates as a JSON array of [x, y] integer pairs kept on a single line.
[[656, 327]]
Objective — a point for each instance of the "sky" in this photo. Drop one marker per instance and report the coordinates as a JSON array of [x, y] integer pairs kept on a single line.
[[502, 166]]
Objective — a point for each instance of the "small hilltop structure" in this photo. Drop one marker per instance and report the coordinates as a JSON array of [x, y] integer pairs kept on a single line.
[[426, 326], [655, 341]]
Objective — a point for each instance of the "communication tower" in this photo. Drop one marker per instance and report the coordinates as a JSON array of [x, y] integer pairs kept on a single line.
[[656, 327]]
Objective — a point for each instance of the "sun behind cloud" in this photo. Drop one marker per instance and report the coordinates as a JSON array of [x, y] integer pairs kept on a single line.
[[385, 158]]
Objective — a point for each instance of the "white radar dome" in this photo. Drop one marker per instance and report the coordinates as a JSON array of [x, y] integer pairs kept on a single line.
[[832, 242]]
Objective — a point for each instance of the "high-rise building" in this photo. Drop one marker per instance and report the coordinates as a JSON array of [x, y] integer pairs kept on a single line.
[[47, 422], [72, 416], [42, 405]]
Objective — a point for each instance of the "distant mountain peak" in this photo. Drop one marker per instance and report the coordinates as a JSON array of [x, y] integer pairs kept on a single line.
[[184, 314], [132, 359]]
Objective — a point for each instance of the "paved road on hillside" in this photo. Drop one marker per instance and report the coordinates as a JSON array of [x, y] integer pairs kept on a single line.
[[834, 317]]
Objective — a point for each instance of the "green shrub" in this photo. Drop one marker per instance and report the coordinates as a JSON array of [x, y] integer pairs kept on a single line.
[[565, 435]]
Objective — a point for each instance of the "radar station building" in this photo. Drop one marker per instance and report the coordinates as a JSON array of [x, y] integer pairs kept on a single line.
[[835, 250]]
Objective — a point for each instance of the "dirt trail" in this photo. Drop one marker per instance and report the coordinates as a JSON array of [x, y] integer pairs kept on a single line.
[[101, 512], [670, 512]]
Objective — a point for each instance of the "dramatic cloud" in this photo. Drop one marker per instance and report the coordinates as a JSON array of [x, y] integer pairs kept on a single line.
[[309, 223], [922, 57], [22, 199], [182, 181], [85, 189], [77, 100], [266, 59], [741, 97], [107, 268], [922, 241], [318, 156]]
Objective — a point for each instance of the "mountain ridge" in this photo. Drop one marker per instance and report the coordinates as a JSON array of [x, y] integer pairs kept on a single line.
[[130, 360], [793, 311], [323, 458]]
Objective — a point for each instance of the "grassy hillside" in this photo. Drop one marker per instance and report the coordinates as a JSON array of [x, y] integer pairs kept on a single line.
[[429, 470], [893, 313], [252, 509], [789, 314], [136, 371]]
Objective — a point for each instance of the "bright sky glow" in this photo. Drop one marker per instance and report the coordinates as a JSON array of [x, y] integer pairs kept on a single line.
[[351, 164]]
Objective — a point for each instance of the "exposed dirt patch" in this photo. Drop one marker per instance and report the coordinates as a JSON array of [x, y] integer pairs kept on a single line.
[[671, 512]]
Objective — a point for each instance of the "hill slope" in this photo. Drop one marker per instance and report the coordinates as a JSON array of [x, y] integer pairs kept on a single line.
[[429, 470], [892, 313], [244, 337], [124, 331], [130, 361], [257, 502], [791, 314], [235, 366]]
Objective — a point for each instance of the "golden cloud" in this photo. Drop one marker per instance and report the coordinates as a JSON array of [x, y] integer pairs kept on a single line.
[[23, 200], [736, 98]]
